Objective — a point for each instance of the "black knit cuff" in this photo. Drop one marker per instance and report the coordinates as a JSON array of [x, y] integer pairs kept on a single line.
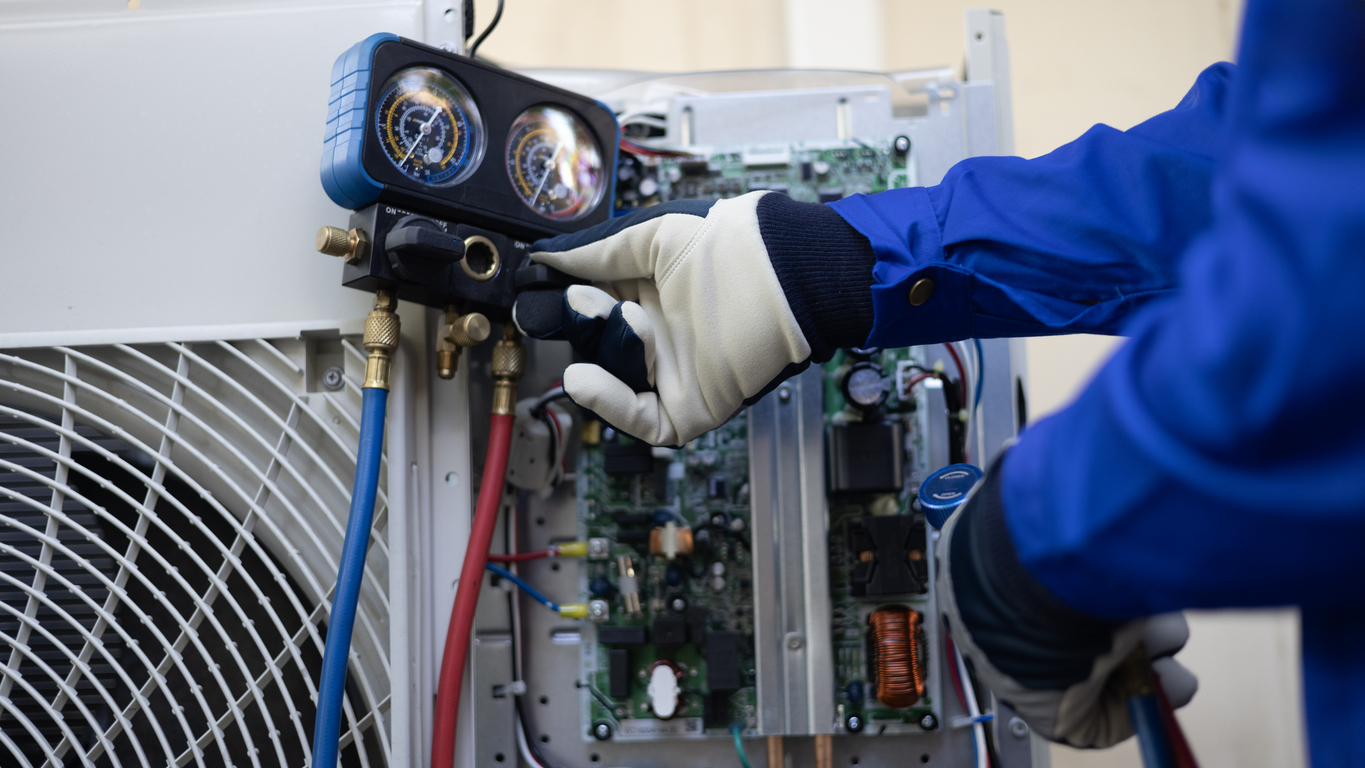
[[1025, 630], [825, 268]]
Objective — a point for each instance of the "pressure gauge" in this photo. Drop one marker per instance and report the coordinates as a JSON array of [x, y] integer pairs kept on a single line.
[[865, 386], [555, 164], [429, 127]]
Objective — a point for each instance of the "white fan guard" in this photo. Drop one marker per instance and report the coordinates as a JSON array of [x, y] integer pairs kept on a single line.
[[170, 518]]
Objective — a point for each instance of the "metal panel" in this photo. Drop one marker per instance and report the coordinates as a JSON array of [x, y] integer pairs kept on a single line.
[[792, 641], [174, 182]]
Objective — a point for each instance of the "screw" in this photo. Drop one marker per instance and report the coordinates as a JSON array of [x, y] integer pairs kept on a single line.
[[678, 605], [854, 724], [928, 722], [784, 393], [601, 731], [902, 144], [333, 379], [795, 641], [1018, 728], [598, 610]]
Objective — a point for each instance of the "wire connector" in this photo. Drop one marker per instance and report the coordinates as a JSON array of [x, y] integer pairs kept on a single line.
[[381, 340]]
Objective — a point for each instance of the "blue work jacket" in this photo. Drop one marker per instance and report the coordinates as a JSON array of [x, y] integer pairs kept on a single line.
[[1218, 459]]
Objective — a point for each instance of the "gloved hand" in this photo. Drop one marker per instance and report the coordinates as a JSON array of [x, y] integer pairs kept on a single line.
[[1052, 664], [699, 307]]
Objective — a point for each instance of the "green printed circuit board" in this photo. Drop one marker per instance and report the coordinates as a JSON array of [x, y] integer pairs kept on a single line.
[[686, 606], [670, 567]]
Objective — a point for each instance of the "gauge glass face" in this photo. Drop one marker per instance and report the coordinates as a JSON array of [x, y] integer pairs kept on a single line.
[[429, 127], [866, 386], [555, 164]]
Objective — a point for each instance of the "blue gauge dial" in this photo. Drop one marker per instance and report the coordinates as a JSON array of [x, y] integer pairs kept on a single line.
[[429, 127]]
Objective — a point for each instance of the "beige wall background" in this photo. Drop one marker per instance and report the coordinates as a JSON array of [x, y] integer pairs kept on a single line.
[[1074, 63]]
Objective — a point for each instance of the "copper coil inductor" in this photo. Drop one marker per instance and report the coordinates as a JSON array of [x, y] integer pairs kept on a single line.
[[895, 649]]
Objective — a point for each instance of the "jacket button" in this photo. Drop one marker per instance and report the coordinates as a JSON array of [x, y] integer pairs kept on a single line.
[[921, 291]]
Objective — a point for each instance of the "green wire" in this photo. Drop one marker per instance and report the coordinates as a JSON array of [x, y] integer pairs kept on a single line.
[[739, 745]]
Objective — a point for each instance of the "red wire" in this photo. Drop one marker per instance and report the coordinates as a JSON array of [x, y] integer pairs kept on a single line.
[[917, 378], [952, 665], [961, 376], [1181, 753], [519, 558], [467, 594]]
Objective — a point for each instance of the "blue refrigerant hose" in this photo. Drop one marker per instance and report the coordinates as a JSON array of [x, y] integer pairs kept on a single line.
[[332, 685], [1154, 743]]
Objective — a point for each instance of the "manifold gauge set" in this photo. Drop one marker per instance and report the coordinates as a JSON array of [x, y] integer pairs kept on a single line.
[[440, 154]]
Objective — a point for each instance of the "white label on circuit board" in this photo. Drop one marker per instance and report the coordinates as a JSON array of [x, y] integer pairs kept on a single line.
[[649, 728]]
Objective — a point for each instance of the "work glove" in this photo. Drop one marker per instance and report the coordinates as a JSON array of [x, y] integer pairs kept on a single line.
[[699, 307], [1056, 666]]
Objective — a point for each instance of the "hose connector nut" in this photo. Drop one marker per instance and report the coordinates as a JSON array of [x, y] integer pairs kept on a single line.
[[381, 340], [349, 245], [509, 364], [460, 331]]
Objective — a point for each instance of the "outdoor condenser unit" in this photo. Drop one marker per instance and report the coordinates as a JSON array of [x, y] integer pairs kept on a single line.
[[180, 371]]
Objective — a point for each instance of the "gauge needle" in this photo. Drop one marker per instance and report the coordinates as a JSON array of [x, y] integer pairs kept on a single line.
[[422, 133], [549, 166]]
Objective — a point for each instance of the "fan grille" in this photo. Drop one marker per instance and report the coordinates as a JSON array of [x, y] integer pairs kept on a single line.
[[169, 522]]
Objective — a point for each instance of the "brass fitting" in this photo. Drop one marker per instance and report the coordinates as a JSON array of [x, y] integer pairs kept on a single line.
[[460, 331], [349, 245], [509, 363], [381, 340]]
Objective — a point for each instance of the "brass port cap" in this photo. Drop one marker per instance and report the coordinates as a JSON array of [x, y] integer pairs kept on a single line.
[[468, 330]]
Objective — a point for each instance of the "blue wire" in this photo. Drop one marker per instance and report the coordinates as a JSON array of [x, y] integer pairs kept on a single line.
[[980, 373], [332, 682], [739, 745], [524, 587], [1153, 741]]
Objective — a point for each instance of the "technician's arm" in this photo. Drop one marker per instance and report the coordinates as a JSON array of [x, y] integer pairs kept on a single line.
[[1219, 458], [1069, 242]]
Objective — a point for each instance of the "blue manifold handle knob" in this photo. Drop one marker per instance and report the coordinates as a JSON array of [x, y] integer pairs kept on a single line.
[[943, 491]]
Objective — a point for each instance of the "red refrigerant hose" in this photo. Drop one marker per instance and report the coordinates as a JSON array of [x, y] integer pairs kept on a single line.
[[508, 365], [467, 594]]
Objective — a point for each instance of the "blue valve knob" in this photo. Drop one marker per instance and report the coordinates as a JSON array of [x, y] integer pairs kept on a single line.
[[946, 489]]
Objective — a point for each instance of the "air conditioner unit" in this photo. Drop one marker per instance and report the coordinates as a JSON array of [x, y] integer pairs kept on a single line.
[[180, 391]]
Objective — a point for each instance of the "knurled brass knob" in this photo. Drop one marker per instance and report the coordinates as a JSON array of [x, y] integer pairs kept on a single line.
[[468, 330]]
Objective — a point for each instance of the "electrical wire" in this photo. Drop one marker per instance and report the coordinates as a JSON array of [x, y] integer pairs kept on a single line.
[[980, 372], [446, 715], [530, 591], [978, 730], [336, 653], [497, 16], [521, 557], [961, 371], [739, 745]]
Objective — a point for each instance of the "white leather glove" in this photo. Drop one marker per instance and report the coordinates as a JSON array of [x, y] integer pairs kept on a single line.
[[1055, 666], [687, 319]]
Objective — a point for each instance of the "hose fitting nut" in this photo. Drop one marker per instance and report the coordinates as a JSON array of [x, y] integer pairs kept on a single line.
[[381, 340], [460, 331], [509, 364]]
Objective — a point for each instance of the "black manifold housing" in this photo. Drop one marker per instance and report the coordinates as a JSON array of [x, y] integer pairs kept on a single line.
[[477, 269]]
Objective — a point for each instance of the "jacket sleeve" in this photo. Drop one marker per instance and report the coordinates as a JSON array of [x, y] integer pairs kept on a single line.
[[1069, 242], [1219, 458]]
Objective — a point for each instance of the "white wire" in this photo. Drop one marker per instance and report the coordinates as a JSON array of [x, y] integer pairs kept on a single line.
[[978, 730], [525, 748]]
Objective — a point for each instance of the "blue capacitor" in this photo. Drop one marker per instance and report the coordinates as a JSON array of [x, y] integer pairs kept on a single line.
[[943, 491]]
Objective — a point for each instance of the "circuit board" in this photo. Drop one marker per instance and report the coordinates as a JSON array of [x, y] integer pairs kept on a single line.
[[691, 609], [855, 684], [694, 612], [815, 173]]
